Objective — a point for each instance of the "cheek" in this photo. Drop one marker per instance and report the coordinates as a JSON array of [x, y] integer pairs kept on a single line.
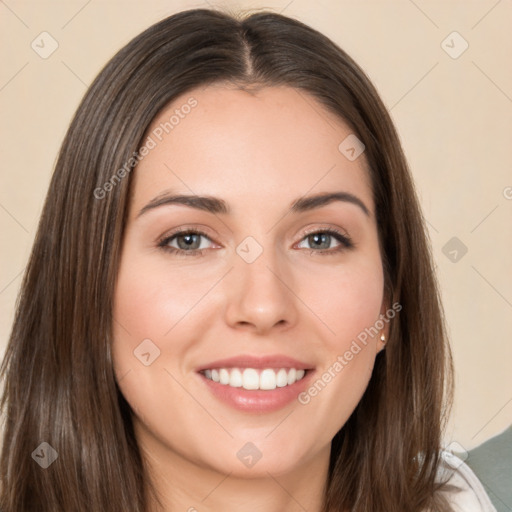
[[151, 298], [347, 301], [154, 309], [147, 306], [349, 304], [142, 312]]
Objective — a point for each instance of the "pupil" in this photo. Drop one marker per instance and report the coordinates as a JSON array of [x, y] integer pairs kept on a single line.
[[188, 241], [321, 239]]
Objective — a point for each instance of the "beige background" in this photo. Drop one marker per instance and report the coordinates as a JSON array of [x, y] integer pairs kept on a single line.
[[454, 116]]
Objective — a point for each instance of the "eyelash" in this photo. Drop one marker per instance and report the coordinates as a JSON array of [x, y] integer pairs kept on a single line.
[[344, 240]]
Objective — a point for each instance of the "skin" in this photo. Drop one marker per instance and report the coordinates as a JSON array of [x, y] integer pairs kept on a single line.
[[258, 152]]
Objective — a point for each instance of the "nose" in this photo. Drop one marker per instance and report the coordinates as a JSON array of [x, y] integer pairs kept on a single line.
[[260, 295]]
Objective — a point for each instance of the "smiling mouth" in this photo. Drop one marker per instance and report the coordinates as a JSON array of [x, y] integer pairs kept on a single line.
[[265, 379]]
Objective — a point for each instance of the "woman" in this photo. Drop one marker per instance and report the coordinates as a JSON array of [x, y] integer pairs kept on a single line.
[[297, 360]]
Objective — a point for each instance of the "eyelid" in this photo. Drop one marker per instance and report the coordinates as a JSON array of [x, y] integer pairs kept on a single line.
[[324, 228], [194, 229]]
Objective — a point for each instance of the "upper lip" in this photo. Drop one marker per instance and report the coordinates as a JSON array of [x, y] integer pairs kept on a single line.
[[247, 361]]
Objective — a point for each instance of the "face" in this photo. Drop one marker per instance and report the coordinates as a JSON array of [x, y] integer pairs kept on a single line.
[[240, 311]]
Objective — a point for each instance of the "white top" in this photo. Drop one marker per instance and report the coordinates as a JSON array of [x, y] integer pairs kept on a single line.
[[472, 496]]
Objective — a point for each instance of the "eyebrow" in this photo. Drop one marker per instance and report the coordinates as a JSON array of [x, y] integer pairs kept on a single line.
[[218, 206]]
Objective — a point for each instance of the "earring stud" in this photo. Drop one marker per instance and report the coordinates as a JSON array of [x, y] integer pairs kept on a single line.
[[383, 338]]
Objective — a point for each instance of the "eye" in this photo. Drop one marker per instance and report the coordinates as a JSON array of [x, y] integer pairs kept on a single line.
[[189, 242], [321, 241], [185, 242]]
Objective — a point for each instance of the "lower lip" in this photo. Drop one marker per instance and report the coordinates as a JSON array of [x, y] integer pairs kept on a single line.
[[258, 401]]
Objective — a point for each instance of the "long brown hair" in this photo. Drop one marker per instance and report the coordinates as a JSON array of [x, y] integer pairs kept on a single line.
[[59, 383]]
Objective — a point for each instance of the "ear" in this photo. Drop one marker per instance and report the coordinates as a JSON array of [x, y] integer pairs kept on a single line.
[[383, 336]]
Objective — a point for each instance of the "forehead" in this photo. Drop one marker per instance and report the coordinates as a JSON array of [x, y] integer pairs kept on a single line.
[[248, 146]]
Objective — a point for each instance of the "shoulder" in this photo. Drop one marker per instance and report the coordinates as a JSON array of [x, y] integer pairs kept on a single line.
[[464, 491], [492, 463]]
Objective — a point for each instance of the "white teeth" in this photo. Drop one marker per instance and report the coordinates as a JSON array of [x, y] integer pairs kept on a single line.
[[236, 379], [282, 378], [268, 379], [223, 376], [251, 379]]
